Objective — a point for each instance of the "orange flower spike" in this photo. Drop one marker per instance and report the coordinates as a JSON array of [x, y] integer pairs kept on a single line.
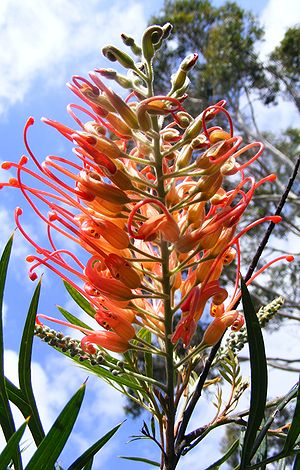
[[101, 143], [185, 330], [217, 310], [122, 270], [196, 214], [163, 223], [206, 238], [219, 325], [119, 325], [105, 339], [92, 182], [111, 288], [106, 208], [121, 178], [203, 269], [117, 102], [113, 234], [218, 134], [192, 310]]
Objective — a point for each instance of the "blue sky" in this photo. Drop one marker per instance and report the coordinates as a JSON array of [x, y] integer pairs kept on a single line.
[[44, 43]]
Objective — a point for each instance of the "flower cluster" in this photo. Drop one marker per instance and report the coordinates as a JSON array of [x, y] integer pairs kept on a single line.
[[146, 197]]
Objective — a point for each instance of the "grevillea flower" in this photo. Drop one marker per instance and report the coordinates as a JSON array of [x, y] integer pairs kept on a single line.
[[150, 203]]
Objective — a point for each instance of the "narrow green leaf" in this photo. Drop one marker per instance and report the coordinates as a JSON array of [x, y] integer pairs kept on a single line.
[[141, 459], [152, 422], [72, 319], [89, 465], [102, 372], [52, 445], [88, 455], [258, 365], [281, 405], [24, 367], [148, 357], [225, 376], [294, 430], [12, 446], [227, 369], [16, 396], [6, 418], [296, 465], [225, 457], [261, 453], [80, 300]]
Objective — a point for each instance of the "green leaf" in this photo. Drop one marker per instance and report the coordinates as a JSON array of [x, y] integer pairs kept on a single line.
[[281, 405], [24, 368], [16, 396], [294, 430], [89, 465], [258, 365], [52, 445], [88, 455], [141, 459], [12, 447], [106, 374], [6, 418], [72, 319], [148, 357], [225, 457], [225, 376], [80, 300], [296, 465]]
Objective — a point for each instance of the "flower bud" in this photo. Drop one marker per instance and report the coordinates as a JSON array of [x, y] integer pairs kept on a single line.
[[151, 36], [91, 181], [114, 54], [122, 270], [105, 339], [130, 42], [112, 74], [217, 328], [178, 80]]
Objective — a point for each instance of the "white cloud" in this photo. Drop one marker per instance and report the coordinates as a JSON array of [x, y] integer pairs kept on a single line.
[[43, 38], [277, 17]]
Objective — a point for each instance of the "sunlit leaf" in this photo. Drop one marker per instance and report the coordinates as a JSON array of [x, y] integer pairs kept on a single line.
[[16, 396], [258, 367], [296, 465], [88, 455], [12, 447], [225, 457], [294, 430], [24, 368], [141, 459], [80, 300], [6, 418], [72, 319], [52, 445]]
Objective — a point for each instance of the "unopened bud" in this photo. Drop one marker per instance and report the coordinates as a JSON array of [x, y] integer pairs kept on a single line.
[[114, 54], [179, 78], [130, 42], [111, 74], [151, 37]]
